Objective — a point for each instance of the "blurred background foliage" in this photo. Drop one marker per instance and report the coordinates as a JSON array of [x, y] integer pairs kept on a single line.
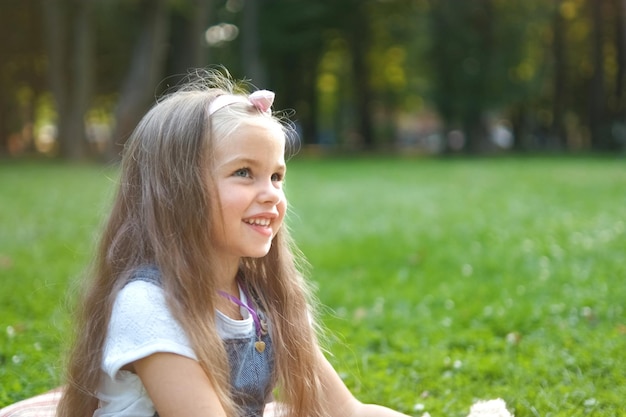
[[420, 76]]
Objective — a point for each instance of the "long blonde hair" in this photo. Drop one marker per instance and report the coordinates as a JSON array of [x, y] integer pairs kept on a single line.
[[161, 215]]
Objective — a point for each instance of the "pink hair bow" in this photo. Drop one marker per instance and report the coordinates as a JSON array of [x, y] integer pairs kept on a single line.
[[262, 100]]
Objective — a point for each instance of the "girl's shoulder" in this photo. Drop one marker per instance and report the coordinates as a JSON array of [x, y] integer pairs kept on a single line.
[[142, 295]]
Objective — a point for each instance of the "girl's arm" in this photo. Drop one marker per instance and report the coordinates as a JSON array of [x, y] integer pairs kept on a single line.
[[178, 386], [341, 401]]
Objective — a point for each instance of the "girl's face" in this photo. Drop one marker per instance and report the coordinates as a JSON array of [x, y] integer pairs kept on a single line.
[[249, 172]]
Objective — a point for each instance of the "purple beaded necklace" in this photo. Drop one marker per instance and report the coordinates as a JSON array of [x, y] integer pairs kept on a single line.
[[259, 324]]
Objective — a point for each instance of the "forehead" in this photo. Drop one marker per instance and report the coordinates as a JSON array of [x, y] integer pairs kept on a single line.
[[252, 140]]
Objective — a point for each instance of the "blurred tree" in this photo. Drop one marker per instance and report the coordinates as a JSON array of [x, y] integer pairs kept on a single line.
[[398, 68], [536, 74], [158, 51], [620, 76], [559, 97], [615, 58], [620, 42], [518, 60], [369, 40], [22, 74], [253, 67], [586, 75], [475, 46], [555, 70], [342, 56], [293, 35], [187, 43], [69, 39], [356, 25], [597, 89], [146, 68]]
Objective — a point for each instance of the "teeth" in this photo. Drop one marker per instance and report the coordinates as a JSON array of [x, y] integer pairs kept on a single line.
[[259, 222]]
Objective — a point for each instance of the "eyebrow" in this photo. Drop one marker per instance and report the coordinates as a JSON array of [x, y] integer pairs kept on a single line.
[[250, 161]]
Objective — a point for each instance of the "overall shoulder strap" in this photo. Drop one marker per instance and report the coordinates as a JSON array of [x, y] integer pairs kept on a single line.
[[147, 273]]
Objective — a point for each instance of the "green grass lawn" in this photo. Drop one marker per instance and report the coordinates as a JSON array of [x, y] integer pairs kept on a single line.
[[443, 281]]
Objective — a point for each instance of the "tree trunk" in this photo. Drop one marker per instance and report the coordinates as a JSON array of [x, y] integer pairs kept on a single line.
[[250, 46], [198, 25], [597, 95], [81, 87], [359, 40], [557, 130], [55, 37], [188, 49], [481, 17], [21, 81], [146, 69], [4, 129], [620, 43], [70, 70]]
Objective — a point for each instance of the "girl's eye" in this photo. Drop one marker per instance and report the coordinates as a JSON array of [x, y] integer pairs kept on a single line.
[[277, 177], [242, 172]]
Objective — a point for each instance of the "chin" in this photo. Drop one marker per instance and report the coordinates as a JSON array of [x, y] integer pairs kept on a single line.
[[258, 253]]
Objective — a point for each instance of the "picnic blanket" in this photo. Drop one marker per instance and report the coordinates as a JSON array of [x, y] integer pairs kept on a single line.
[[45, 405]]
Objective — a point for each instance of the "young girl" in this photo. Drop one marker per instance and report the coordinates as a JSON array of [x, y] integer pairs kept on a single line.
[[197, 306]]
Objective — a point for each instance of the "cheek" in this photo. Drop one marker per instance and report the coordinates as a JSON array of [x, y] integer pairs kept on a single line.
[[225, 206], [282, 208], [230, 199]]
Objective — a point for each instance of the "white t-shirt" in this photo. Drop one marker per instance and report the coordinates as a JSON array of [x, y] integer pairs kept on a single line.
[[140, 325]]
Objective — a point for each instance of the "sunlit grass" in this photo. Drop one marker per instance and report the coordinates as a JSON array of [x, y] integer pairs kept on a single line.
[[444, 281], [49, 215], [456, 280]]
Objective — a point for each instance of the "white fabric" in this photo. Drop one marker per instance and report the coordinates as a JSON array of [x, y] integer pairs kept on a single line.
[[261, 99], [141, 325], [226, 100]]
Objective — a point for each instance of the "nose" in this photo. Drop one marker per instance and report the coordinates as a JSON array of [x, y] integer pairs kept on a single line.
[[270, 192]]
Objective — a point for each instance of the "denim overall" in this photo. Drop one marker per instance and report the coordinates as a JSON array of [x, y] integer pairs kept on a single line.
[[250, 370]]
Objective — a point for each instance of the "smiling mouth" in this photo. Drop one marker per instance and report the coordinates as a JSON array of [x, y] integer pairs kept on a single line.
[[258, 222]]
